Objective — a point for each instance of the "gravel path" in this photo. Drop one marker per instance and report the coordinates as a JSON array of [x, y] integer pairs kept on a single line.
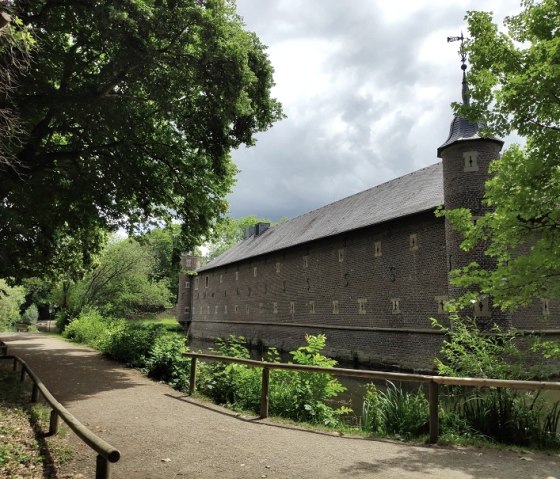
[[162, 433]]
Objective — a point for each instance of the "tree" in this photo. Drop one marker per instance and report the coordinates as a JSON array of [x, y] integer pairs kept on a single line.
[[514, 81], [10, 300], [229, 232], [130, 111], [122, 284]]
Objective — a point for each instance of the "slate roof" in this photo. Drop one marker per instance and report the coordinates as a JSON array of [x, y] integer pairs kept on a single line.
[[421, 190]]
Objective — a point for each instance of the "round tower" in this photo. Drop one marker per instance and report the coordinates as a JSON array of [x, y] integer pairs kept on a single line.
[[189, 264], [466, 156]]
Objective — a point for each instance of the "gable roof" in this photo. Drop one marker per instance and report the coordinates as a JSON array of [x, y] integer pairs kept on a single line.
[[421, 190]]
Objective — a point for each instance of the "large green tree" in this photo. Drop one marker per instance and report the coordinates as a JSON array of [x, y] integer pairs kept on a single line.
[[130, 111], [514, 80]]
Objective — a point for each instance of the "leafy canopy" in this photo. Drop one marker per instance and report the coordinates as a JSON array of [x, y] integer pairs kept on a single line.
[[130, 110], [514, 80]]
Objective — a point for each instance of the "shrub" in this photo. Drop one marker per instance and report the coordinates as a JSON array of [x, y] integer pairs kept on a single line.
[[89, 328], [165, 361], [30, 315], [395, 412]]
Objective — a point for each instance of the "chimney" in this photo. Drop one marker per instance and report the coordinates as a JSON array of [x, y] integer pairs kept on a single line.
[[260, 228], [250, 231]]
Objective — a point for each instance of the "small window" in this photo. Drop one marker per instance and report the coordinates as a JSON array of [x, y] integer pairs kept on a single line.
[[377, 249], [292, 307], [312, 307], [335, 307], [341, 255], [305, 261], [395, 306], [255, 272], [284, 286], [441, 304], [249, 291], [187, 309], [545, 308], [261, 308], [247, 308], [206, 280], [362, 305], [221, 278], [275, 308], [482, 307], [471, 161], [413, 242], [277, 267], [236, 308], [216, 309], [208, 309], [188, 283], [225, 308], [200, 309], [196, 283], [188, 263], [237, 276]]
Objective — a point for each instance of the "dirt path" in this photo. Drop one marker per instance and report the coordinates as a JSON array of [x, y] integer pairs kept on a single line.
[[162, 433]]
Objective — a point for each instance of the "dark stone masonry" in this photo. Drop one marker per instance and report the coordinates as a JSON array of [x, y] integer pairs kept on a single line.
[[369, 271]]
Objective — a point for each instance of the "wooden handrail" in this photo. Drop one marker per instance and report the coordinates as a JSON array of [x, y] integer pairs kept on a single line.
[[105, 452], [432, 381]]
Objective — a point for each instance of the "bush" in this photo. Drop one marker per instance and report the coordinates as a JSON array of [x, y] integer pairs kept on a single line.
[[395, 412], [89, 328], [30, 315], [165, 361]]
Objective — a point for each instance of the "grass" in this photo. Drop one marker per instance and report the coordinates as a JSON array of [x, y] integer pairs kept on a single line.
[[170, 324], [25, 451]]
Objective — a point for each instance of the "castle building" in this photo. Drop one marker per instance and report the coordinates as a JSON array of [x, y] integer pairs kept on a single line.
[[368, 271]]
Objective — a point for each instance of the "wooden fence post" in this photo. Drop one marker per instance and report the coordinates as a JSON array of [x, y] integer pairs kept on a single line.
[[264, 392], [22, 375], [34, 393], [192, 379], [102, 470], [15, 364], [53, 423], [434, 416]]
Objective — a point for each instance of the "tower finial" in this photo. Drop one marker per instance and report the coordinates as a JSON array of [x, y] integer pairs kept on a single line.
[[463, 54]]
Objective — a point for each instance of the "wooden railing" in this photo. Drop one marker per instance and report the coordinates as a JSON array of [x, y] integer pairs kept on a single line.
[[432, 381], [106, 453]]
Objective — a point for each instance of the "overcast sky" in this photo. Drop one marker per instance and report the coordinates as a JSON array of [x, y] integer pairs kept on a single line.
[[366, 86]]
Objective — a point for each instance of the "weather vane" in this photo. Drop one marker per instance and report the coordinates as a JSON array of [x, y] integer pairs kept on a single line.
[[461, 49]]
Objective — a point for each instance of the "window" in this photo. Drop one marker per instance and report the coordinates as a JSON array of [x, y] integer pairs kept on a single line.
[[341, 255], [196, 283], [335, 307], [188, 263], [377, 249], [237, 276], [208, 309], [292, 307], [312, 307], [305, 261], [206, 280], [225, 308], [221, 278], [395, 306], [362, 305], [277, 267], [255, 272], [236, 308], [545, 308], [275, 308], [413, 242], [247, 308], [440, 301], [470, 158], [188, 283], [482, 308], [216, 309], [187, 309]]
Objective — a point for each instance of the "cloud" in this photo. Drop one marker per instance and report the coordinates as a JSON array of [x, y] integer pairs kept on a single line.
[[367, 87]]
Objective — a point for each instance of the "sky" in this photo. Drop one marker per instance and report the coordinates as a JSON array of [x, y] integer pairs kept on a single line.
[[366, 86]]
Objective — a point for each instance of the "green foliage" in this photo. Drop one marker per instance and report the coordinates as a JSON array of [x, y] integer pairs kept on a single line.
[[514, 80], [122, 284], [165, 361], [503, 415], [10, 300], [469, 352], [131, 110], [30, 315], [395, 412]]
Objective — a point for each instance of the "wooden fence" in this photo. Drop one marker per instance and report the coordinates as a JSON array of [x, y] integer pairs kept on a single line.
[[432, 381], [106, 453]]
